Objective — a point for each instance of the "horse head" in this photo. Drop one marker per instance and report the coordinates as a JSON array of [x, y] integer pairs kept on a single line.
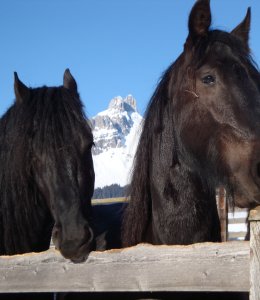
[[216, 106], [61, 162]]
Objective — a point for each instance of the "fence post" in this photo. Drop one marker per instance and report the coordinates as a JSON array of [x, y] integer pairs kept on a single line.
[[254, 218], [223, 213]]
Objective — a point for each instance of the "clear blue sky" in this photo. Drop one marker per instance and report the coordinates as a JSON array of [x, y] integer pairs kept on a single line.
[[112, 47]]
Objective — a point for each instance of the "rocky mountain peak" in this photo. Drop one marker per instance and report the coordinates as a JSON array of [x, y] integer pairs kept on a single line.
[[114, 124], [116, 132], [126, 104]]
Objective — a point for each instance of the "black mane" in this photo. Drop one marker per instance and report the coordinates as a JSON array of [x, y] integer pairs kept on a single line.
[[49, 121]]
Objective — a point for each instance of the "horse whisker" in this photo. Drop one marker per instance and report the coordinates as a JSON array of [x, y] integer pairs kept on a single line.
[[193, 93]]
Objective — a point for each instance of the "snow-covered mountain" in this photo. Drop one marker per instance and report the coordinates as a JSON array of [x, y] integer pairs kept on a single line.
[[116, 132]]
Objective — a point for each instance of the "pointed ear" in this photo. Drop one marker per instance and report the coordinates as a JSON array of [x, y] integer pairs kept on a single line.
[[242, 30], [199, 20], [69, 82], [21, 90]]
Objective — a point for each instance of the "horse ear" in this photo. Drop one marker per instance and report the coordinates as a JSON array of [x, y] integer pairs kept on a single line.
[[69, 82], [21, 90], [242, 30], [199, 19]]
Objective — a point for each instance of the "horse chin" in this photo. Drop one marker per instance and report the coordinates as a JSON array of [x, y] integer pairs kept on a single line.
[[246, 196], [79, 260], [80, 254], [248, 203]]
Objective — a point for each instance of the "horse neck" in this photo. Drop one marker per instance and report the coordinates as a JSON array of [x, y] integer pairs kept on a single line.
[[183, 206], [182, 211]]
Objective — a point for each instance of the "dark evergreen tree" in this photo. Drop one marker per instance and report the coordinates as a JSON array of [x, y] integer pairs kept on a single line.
[[111, 191]]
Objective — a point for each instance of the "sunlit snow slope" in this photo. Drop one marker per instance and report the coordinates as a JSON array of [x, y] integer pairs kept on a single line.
[[116, 133]]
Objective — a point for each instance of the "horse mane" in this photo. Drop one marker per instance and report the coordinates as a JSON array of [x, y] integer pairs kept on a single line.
[[137, 213], [50, 121]]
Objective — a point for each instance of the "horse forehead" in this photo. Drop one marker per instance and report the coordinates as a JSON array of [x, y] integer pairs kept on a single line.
[[225, 44], [221, 54]]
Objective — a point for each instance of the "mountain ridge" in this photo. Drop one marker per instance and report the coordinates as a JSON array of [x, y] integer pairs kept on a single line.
[[116, 133]]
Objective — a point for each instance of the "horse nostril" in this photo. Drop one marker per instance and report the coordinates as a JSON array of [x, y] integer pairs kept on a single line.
[[55, 236]]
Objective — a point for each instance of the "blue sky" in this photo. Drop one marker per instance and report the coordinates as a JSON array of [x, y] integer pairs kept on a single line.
[[112, 47]]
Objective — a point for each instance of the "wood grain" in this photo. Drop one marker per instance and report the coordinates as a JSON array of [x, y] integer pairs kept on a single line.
[[198, 267], [254, 218]]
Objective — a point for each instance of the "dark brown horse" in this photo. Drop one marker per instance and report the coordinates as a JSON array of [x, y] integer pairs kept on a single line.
[[46, 173], [201, 130]]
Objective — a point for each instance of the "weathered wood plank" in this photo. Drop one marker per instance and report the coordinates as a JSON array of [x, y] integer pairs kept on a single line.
[[236, 235], [198, 267], [254, 219], [237, 221], [109, 200], [223, 213]]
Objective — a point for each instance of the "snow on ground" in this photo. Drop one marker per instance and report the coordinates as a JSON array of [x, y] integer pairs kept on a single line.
[[237, 224]]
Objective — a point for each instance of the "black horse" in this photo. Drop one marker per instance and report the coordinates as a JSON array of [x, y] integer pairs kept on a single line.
[[201, 131], [46, 173]]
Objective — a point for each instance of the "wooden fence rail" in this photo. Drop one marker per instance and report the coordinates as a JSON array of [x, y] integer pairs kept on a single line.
[[198, 267], [230, 266], [254, 218]]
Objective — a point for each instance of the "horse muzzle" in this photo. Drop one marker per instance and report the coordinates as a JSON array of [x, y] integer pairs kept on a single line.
[[77, 249], [241, 161]]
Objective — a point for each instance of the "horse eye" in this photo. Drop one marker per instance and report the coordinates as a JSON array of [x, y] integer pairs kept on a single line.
[[209, 79]]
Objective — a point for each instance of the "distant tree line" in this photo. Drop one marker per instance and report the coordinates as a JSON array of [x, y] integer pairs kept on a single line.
[[111, 191]]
